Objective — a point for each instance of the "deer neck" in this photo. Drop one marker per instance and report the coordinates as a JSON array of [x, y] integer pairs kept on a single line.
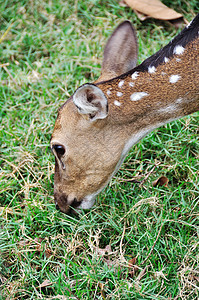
[[152, 95]]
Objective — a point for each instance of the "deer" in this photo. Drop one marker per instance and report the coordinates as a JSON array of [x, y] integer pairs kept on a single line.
[[97, 126]]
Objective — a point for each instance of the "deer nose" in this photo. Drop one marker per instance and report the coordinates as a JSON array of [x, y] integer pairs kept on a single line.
[[76, 203], [65, 203], [57, 206]]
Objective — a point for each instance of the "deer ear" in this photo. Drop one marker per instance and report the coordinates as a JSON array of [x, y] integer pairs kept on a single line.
[[91, 101], [120, 53]]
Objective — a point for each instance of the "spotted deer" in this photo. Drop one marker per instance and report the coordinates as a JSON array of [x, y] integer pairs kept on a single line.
[[98, 125]]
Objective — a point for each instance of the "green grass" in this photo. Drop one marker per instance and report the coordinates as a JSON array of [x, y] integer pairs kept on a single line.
[[53, 47]]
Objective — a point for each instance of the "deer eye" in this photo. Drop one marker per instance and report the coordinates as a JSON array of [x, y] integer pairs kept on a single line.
[[59, 149]]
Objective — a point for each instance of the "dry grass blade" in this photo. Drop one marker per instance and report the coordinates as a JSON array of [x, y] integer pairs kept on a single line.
[[45, 283], [149, 173], [6, 32], [143, 262], [72, 293], [6, 69]]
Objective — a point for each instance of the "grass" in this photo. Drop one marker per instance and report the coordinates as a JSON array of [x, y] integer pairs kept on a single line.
[[49, 49]]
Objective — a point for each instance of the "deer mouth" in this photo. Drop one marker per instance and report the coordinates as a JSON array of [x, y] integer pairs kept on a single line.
[[70, 205]]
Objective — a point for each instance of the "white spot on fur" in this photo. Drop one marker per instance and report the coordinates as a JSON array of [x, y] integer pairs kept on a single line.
[[88, 201], [120, 84], [135, 75], [131, 84], [151, 69], [117, 103], [178, 59], [108, 92], [178, 50], [179, 100], [189, 24], [119, 94], [166, 59], [137, 96], [174, 78]]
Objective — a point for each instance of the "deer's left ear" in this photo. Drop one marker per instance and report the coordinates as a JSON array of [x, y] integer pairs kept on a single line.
[[91, 101]]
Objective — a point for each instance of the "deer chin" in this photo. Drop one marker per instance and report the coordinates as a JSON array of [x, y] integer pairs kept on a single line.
[[88, 201], [68, 205]]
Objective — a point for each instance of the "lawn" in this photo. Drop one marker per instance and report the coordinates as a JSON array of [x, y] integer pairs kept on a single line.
[[138, 241]]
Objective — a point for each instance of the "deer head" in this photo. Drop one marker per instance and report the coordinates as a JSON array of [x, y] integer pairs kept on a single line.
[[98, 125]]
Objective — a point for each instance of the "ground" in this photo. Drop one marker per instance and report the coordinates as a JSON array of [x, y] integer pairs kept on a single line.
[[138, 241]]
